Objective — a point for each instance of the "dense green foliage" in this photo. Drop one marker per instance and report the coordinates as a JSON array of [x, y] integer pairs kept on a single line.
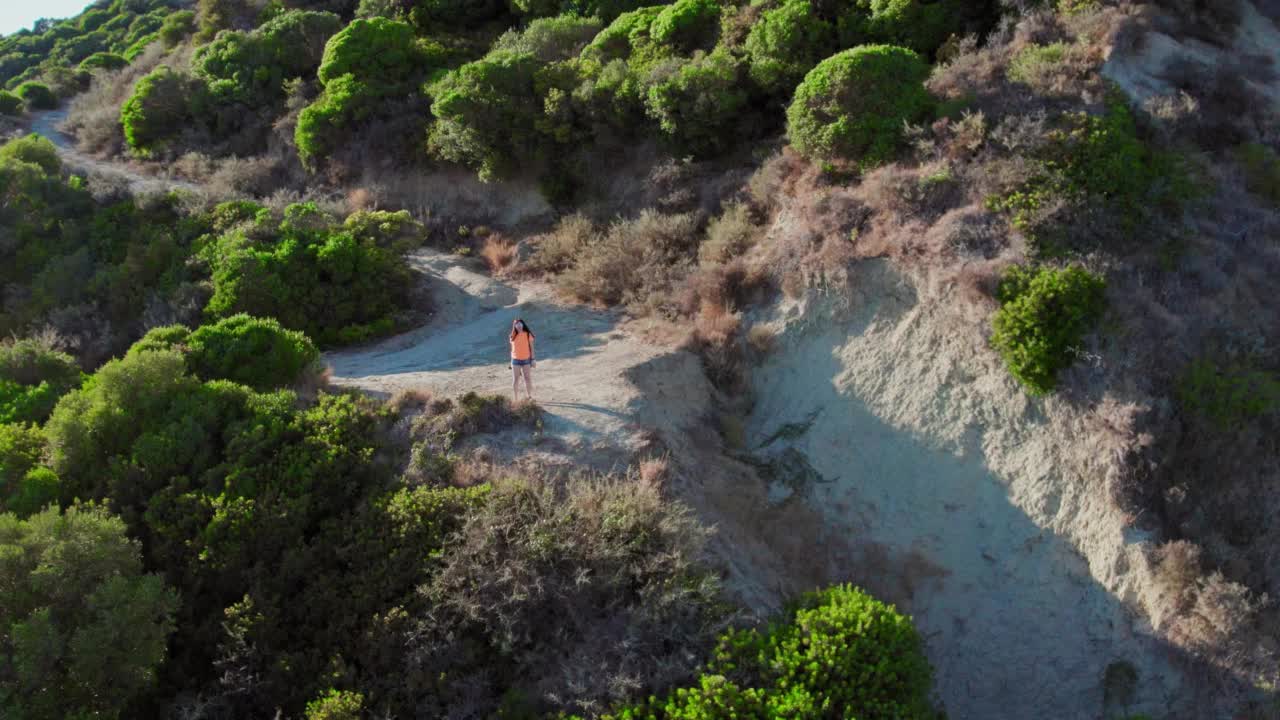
[[58, 52], [785, 44], [364, 65], [103, 61], [311, 274], [10, 104], [1044, 315], [26, 486], [158, 109], [853, 104], [177, 27], [32, 378], [915, 24], [250, 67], [840, 654], [1100, 162], [1230, 396], [36, 95], [89, 267], [82, 628], [251, 351]]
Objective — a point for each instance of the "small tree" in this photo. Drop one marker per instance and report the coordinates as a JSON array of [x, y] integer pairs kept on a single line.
[[852, 105], [82, 630], [157, 110]]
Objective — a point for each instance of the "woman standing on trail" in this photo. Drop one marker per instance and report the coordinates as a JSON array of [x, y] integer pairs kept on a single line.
[[522, 362]]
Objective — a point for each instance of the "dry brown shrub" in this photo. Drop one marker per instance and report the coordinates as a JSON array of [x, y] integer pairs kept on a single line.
[[194, 166], [359, 199], [258, 176], [967, 231], [498, 253], [410, 400], [728, 235], [637, 262], [653, 471], [1178, 567], [771, 179], [924, 192], [793, 284], [762, 339], [590, 584], [557, 250]]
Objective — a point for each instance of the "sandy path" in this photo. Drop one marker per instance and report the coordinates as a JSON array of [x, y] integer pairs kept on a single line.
[[587, 373], [48, 123]]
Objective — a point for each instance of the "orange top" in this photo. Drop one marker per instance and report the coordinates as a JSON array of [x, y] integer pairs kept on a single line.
[[522, 346]]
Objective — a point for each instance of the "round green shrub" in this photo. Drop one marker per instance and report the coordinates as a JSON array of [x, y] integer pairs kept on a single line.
[[785, 44], [37, 96], [853, 104], [103, 61], [1044, 314], [36, 150], [841, 654], [257, 352], [687, 24], [605, 10], [10, 104], [157, 110], [697, 106], [167, 337], [177, 27], [916, 24]]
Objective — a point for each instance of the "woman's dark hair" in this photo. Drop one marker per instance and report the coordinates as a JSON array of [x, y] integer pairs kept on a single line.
[[526, 328]]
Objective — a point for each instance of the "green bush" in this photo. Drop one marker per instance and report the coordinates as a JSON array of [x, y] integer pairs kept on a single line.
[[83, 629], [1099, 162], [103, 61], [25, 487], [158, 109], [364, 64], [37, 96], [784, 45], [251, 68], [177, 27], [1044, 314], [841, 654], [687, 24], [605, 10], [336, 705], [853, 104], [138, 46], [313, 277], [10, 104], [697, 106], [33, 149], [1230, 396], [32, 378], [251, 351], [1261, 170], [1035, 61], [503, 113], [919, 25]]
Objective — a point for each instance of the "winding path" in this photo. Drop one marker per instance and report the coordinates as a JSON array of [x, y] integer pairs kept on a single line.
[[48, 123]]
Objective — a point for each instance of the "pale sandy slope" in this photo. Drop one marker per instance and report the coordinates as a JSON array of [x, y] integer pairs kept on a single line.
[[589, 374]]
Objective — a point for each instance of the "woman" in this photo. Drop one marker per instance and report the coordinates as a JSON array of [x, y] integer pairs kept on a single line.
[[522, 362]]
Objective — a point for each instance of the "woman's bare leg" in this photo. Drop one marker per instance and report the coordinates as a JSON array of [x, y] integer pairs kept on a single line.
[[528, 380], [515, 383]]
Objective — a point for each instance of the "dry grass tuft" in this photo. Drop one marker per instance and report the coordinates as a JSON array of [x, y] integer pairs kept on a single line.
[[762, 339], [728, 235], [498, 252]]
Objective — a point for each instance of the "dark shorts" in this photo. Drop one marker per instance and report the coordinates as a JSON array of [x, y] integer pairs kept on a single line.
[[521, 362]]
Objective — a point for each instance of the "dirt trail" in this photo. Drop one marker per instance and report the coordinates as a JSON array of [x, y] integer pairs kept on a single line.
[[48, 123], [589, 374]]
